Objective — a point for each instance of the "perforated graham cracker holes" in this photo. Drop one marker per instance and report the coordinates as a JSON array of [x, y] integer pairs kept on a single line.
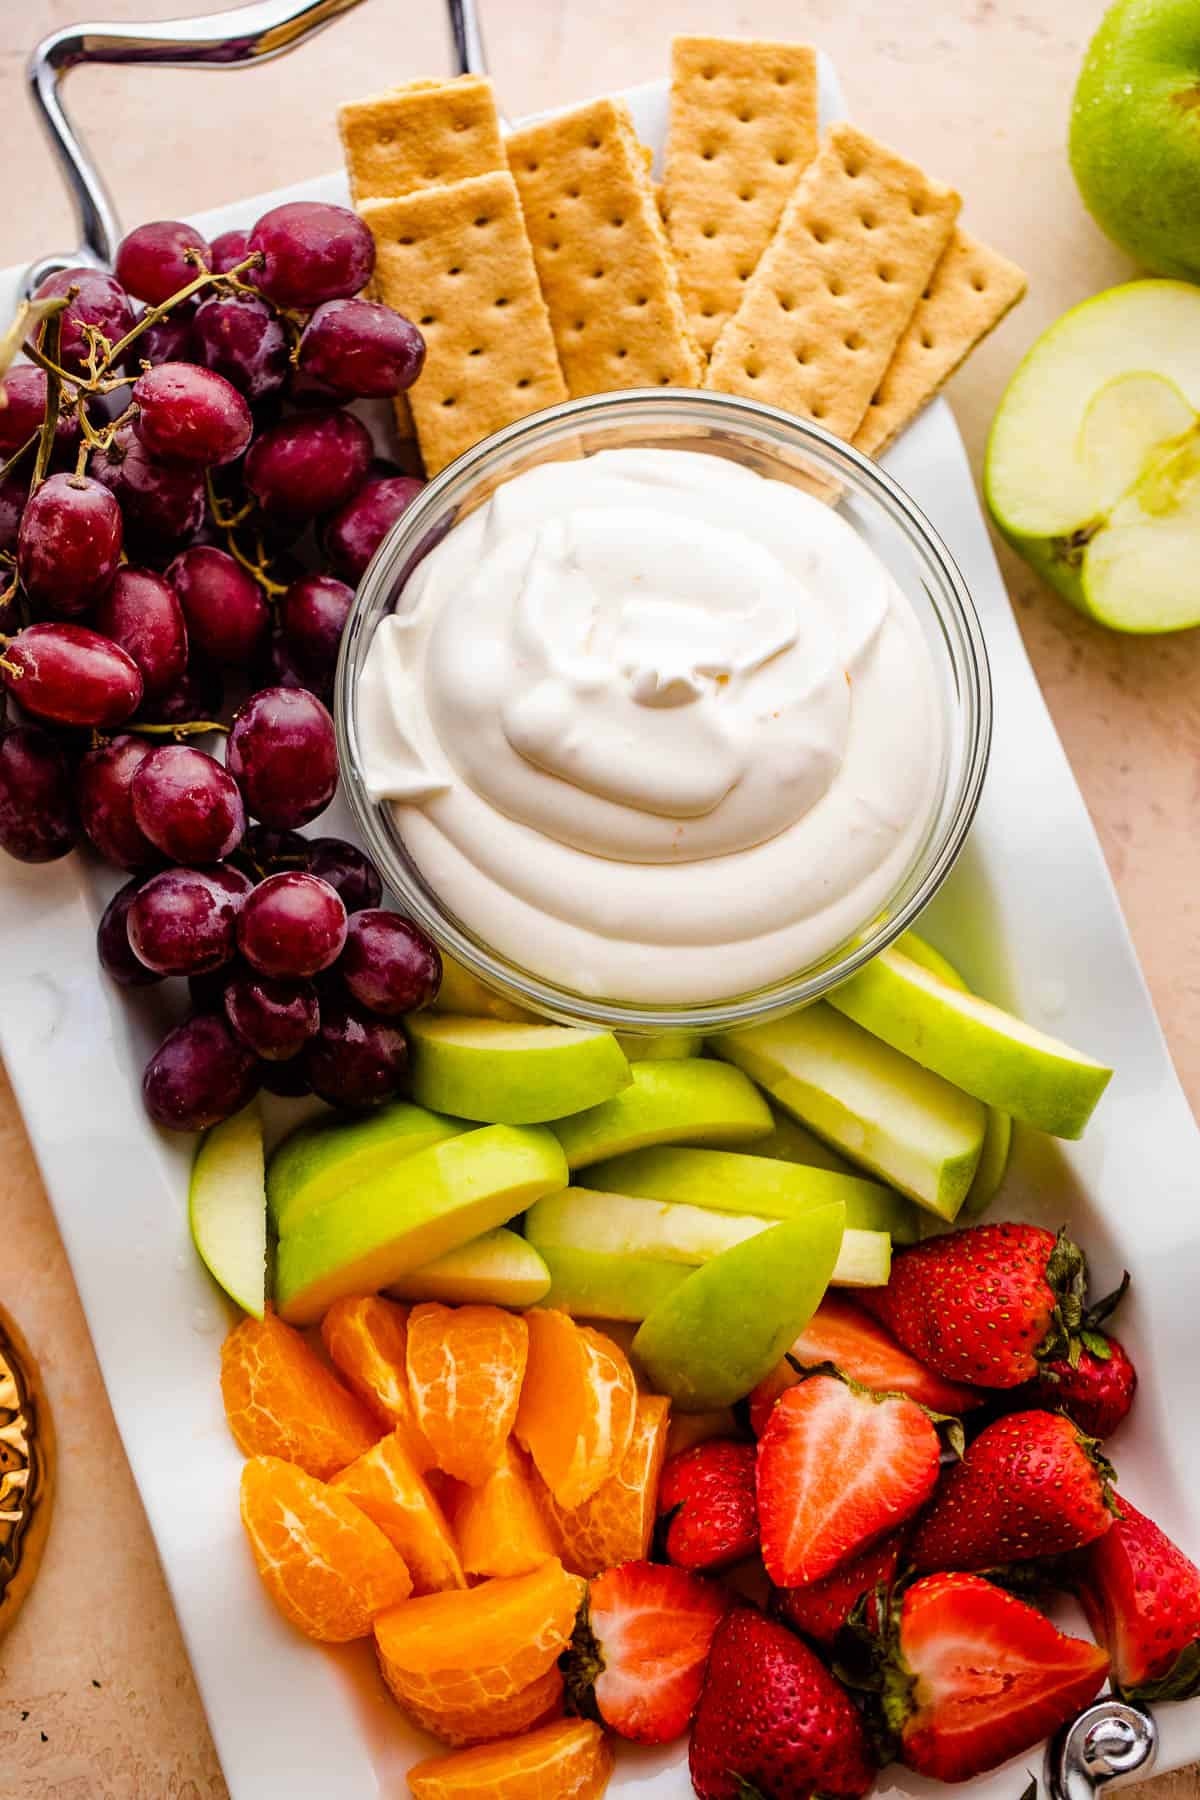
[[421, 135]]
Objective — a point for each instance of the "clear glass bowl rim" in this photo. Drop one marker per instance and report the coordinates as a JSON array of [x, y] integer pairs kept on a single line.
[[653, 408]]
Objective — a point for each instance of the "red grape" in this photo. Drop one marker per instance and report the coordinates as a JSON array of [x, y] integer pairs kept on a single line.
[[189, 414], [198, 694], [112, 941], [358, 347], [229, 249], [311, 252], [355, 1060], [283, 756], [312, 616], [37, 812], [69, 544], [292, 925], [207, 991], [141, 613], [166, 340], [241, 338], [285, 1078], [308, 464], [388, 965], [274, 665], [188, 805], [352, 535], [223, 605], [264, 852], [273, 1018], [106, 802], [184, 921], [198, 1076], [25, 393], [13, 494], [100, 301], [162, 503], [152, 261], [347, 870], [306, 391], [71, 676]]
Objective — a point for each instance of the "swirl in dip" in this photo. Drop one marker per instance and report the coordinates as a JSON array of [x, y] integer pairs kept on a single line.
[[654, 727]]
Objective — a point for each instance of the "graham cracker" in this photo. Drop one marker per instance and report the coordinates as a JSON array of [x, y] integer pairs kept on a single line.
[[971, 290], [837, 285], [457, 261], [743, 129], [601, 252], [424, 134]]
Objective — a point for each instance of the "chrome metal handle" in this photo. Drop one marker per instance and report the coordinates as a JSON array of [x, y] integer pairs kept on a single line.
[[233, 39], [1107, 1745]]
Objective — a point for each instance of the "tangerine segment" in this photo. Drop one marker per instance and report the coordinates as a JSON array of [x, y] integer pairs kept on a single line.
[[388, 1486], [617, 1523], [534, 1705], [281, 1400], [577, 1405], [449, 1652], [500, 1528], [366, 1339], [465, 1369], [570, 1760], [327, 1568]]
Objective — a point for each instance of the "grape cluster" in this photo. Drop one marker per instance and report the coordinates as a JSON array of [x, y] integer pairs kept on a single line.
[[158, 471]]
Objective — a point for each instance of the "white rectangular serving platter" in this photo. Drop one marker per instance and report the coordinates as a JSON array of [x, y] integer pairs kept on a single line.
[[1031, 917]]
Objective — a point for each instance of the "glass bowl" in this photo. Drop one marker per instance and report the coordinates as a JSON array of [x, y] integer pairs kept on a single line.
[[774, 444]]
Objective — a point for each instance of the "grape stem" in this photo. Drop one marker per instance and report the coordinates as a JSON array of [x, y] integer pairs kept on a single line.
[[29, 315], [91, 439], [16, 456], [153, 314], [225, 518], [256, 566], [51, 335], [187, 728]]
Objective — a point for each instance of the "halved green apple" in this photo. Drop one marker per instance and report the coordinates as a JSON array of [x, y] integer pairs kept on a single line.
[[504, 1073], [1093, 465], [497, 1269], [330, 1154], [691, 1101]]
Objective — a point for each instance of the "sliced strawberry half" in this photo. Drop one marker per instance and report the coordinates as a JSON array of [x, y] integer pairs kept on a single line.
[[838, 1467], [980, 1676], [842, 1334], [1141, 1595], [638, 1656]]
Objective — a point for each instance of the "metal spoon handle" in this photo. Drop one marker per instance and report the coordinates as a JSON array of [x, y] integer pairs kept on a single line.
[[1107, 1745]]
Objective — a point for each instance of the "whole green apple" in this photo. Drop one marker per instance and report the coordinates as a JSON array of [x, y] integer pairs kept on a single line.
[[1135, 132]]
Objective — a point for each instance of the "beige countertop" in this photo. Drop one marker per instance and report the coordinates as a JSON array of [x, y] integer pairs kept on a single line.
[[96, 1698]]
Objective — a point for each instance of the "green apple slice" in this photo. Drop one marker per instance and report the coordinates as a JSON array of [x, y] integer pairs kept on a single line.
[[916, 948], [374, 1234], [502, 1073], [591, 1284], [497, 1269], [790, 1141], [980, 1048], [661, 1046], [727, 1182], [882, 1110], [690, 1101], [462, 992], [329, 1154], [227, 1208], [728, 1325]]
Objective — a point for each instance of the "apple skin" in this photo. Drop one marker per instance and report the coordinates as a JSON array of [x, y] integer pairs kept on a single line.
[[727, 1326], [462, 992], [227, 1208], [405, 1216], [690, 1100], [1135, 132], [497, 1269], [502, 1073], [328, 1155], [660, 1046]]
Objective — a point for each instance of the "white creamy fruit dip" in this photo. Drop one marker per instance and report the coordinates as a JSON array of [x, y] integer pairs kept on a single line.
[[654, 727]]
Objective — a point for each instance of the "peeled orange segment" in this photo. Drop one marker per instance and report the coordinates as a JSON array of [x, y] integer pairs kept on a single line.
[[570, 1760], [540, 1701], [617, 1523], [465, 1369], [577, 1403], [327, 1568], [449, 1652], [281, 1400], [390, 1489], [366, 1339], [500, 1526]]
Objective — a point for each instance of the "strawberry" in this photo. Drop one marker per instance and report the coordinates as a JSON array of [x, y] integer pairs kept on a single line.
[[837, 1468], [821, 1609], [985, 1304], [710, 1490], [1142, 1599], [1030, 1485], [773, 1721], [1096, 1391], [637, 1658], [841, 1334], [977, 1676]]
